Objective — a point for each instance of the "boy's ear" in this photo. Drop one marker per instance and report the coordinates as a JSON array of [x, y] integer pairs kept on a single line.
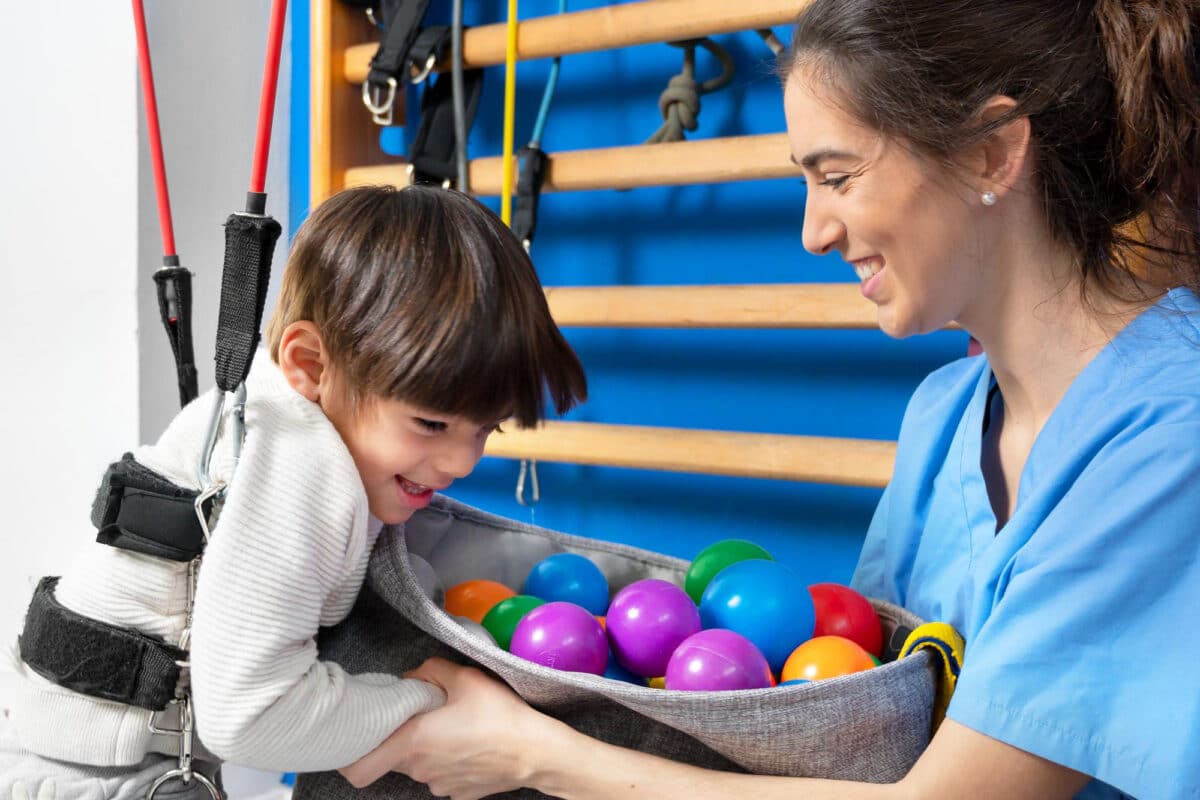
[[303, 359]]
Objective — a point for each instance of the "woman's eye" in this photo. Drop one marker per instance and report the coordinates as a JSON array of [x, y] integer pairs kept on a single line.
[[835, 181], [430, 424]]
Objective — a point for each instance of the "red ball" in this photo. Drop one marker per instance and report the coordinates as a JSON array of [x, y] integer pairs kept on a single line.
[[841, 611]]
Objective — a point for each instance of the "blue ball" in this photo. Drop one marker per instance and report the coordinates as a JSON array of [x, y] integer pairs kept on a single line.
[[569, 578], [764, 601], [616, 672]]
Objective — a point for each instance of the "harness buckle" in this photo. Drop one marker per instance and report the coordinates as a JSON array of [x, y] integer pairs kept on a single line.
[[381, 113]]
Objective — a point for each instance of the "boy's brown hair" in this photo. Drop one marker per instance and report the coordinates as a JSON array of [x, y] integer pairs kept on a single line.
[[422, 294]]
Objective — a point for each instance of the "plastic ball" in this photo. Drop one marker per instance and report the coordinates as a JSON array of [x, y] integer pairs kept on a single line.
[[794, 682], [826, 657], [657, 683], [473, 599], [718, 660], [502, 620], [841, 611], [646, 622], [716, 557], [476, 630], [569, 578], [561, 636], [765, 602], [614, 671]]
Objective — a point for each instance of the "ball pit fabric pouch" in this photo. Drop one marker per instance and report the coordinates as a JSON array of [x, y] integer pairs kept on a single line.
[[870, 726]]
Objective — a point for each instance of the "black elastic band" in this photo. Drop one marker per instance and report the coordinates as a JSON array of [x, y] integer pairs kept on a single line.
[[95, 658]]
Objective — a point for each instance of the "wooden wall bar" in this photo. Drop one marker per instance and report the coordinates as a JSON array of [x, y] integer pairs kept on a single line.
[[798, 305], [734, 158], [853, 462], [618, 25]]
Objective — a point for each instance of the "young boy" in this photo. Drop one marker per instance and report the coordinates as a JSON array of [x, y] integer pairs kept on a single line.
[[409, 325]]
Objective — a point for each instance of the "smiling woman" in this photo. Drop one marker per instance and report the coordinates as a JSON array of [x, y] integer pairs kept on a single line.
[[983, 162]]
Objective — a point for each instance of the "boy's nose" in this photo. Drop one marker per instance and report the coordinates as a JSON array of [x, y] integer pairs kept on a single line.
[[459, 460]]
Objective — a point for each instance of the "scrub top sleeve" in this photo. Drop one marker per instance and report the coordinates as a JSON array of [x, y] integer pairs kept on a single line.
[[1088, 655], [869, 577]]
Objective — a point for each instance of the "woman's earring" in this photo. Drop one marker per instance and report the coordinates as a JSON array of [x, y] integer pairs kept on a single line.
[[988, 198]]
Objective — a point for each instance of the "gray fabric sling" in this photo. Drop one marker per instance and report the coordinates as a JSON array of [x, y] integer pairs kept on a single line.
[[870, 726]]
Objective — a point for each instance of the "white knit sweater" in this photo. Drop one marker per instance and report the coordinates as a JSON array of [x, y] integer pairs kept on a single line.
[[288, 555]]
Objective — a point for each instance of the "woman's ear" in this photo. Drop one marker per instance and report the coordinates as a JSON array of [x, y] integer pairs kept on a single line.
[[1006, 149], [303, 358]]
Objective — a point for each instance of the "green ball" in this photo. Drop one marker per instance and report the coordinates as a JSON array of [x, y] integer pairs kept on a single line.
[[716, 557], [502, 620]]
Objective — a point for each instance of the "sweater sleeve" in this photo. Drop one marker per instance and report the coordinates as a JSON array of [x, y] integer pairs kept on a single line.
[[291, 537]]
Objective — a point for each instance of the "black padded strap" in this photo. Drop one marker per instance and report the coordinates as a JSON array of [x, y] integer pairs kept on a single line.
[[433, 149], [174, 285], [249, 246], [137, 509], [95, 658], [533, 162]]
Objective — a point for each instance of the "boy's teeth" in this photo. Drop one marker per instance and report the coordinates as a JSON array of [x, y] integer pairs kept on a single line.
[[412, 488]]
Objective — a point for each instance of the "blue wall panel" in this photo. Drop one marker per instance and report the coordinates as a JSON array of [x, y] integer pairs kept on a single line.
[[826, 383]]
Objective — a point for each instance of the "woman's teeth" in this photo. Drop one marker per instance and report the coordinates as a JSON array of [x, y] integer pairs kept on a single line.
[[867, 269]]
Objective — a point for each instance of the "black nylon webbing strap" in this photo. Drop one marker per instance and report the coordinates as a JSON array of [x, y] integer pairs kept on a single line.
[[174, 288], [432, 153], [401, 23], [533, 162], [249, 246], [137, 509], [95, 658]]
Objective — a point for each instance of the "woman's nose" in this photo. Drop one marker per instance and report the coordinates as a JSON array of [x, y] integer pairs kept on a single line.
[[822, 230]]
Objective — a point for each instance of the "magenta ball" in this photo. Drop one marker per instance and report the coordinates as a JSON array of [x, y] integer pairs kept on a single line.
[[646, 622], [561, 636], [716, 660]]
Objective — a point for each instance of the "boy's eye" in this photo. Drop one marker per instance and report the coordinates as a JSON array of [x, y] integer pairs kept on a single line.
[[430, 424]]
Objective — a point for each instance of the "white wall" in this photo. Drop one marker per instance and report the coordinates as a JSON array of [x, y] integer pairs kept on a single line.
[[88, 372], [69, 260]]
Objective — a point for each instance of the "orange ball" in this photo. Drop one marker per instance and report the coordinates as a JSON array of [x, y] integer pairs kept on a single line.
[[474, 599], [825, 657]]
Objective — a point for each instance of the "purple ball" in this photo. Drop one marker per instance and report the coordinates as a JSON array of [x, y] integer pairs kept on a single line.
[[561, 636], [646, 622], [715, 660]]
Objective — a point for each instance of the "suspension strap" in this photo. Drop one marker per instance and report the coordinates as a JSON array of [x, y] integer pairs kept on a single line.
[[401, 23], [96, 658], [432, 156]]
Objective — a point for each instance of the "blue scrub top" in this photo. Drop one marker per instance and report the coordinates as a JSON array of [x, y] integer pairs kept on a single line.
[[1082, 615]]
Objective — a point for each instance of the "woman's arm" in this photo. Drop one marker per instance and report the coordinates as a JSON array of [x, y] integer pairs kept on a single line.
[[487, 740]]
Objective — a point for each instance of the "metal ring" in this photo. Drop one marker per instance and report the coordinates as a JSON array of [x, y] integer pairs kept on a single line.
[[381, 113], [184, 778], [417, 76]]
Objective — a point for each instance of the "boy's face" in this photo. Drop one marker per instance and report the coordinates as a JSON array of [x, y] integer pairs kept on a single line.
[[404, 453]]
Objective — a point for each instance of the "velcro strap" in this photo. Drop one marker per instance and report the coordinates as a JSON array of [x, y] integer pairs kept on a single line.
[[433, 148], [137, 509], [95, 658]]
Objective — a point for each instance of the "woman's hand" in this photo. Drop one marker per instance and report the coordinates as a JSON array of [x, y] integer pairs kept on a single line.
[[471, 747]]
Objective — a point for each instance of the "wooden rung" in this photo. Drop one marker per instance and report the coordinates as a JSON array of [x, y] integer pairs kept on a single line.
[[605, 28], [799, 305], [852, 462], [732, 158]]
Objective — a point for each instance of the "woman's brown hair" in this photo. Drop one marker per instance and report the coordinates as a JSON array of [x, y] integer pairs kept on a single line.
[[422, 294], [1110, 88]]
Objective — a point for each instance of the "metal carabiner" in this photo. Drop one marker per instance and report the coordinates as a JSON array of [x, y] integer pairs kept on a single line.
[[528, 466], [381, 113], [185, 777]]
